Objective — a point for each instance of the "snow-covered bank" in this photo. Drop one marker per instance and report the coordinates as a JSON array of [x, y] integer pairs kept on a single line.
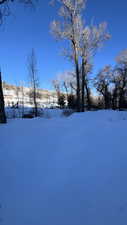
[[64, 171]]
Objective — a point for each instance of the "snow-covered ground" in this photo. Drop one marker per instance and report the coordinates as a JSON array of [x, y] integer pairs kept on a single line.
[[64, 171], [12, 113]]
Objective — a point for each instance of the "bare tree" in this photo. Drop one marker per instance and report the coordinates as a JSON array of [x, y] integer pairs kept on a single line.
[[2, 108], [65, 83], [92, 37], [69, 29], [17, 93], [84, 42], [121, 69], [5, 7], [115, 88], [111, 83], [34, 80], [22, 96], [102, 84], [56, 86]]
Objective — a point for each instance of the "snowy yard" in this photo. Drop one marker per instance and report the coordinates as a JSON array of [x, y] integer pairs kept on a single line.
[[64, 171]]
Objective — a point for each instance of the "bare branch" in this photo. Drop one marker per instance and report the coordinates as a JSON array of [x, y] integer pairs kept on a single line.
[[5, 9]]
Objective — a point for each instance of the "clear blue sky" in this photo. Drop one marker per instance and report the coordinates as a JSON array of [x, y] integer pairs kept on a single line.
[[27, 29]]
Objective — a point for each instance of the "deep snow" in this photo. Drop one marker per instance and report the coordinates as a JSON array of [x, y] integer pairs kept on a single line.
[[64, 171]]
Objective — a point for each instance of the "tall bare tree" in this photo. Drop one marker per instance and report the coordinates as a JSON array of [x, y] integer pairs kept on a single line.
[[84, 41], [91, 38], [34, 79], [68, 29], [22, 91]]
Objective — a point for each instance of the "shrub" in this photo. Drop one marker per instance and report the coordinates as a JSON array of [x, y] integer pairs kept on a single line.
[[72, 101], [61, 100], [67, 112], [28, 116]]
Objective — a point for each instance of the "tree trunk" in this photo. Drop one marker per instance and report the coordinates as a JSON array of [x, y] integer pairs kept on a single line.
[[76, 65], [88, 96], [83, 86], [106, 97], [2, 109], [78, 81], [78, 93], [122, 92], [35, 103], [114, 98], [121, 100]]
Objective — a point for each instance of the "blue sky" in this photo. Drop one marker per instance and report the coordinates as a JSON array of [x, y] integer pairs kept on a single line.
[[27, 29]]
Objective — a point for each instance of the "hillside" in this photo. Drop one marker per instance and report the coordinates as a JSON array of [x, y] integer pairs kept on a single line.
[[22, 95]]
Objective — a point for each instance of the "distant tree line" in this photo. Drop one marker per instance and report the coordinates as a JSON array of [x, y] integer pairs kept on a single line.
[[111, 83]]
